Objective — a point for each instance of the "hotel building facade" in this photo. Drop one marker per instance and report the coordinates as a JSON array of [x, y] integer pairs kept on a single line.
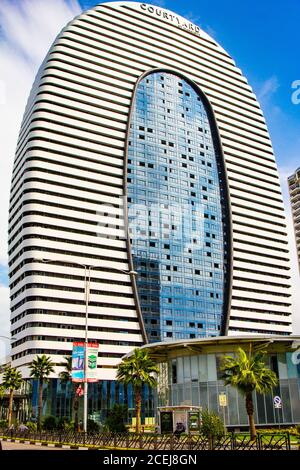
[[294, 190], [143, 149]]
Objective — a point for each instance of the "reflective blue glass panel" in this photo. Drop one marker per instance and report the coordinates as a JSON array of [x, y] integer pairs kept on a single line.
[[175, 210]]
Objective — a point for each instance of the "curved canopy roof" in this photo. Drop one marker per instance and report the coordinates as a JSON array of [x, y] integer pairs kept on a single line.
[[221, 344]]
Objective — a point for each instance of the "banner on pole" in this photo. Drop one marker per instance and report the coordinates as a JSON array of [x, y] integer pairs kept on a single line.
[[92, 356], [78, 372], [78, 362]]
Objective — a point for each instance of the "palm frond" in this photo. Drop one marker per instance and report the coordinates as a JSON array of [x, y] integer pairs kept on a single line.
[[41, 367], [66, 374], [248, 372], [138, 369], [12, 379]]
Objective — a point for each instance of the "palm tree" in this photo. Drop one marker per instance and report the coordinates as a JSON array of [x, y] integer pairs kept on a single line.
[[248, 373], [12, 380], [65, 377], [40, 369], [2, 393], [137, 370]]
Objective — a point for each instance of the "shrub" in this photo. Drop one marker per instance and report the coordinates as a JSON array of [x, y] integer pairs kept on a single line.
[[31, 426], [92, 426], [292, 430], [69, 426], [115, 421], [212, 426], [62, 423], [3, 423], [49, 423]]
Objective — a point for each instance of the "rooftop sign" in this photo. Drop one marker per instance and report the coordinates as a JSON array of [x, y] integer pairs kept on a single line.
[[172, 18]]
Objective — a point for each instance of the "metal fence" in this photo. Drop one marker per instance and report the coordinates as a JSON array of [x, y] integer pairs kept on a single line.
[[232, 441]]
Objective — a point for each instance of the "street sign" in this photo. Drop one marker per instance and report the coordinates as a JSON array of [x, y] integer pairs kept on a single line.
[[277, 402], [222, 399]]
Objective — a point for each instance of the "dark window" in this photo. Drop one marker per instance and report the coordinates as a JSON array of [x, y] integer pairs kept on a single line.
[[174, 372]]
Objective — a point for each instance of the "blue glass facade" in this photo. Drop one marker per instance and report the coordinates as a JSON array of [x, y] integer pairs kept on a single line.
[[175, 210], [58, 400]]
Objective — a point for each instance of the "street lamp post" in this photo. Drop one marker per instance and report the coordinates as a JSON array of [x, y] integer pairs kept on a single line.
[[87, 281]]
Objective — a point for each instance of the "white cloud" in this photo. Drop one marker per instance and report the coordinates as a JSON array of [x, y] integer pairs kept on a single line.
[[28, 28], [211, 32], [267, 88], [31, 25]]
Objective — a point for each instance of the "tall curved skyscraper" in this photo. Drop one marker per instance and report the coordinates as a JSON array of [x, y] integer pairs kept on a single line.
[[143, 149]]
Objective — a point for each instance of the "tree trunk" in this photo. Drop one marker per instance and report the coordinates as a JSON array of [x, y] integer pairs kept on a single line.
[[10, 406], [138, 402], [250, 413], [40, 405], [73, 398]]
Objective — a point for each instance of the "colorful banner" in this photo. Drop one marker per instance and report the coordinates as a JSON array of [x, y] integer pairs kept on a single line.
[[78, 362], [92, 356]]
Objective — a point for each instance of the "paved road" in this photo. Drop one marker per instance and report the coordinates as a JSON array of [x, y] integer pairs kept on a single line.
[[19, 446]]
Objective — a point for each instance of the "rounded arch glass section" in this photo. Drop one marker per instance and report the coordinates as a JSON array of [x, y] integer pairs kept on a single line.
[[175, 210]]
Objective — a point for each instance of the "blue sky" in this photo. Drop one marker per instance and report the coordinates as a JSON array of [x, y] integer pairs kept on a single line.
[[261, 35]]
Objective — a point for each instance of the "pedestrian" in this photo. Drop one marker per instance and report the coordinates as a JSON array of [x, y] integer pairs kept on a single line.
[[180, 428], [11, 429], [23, 427]]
